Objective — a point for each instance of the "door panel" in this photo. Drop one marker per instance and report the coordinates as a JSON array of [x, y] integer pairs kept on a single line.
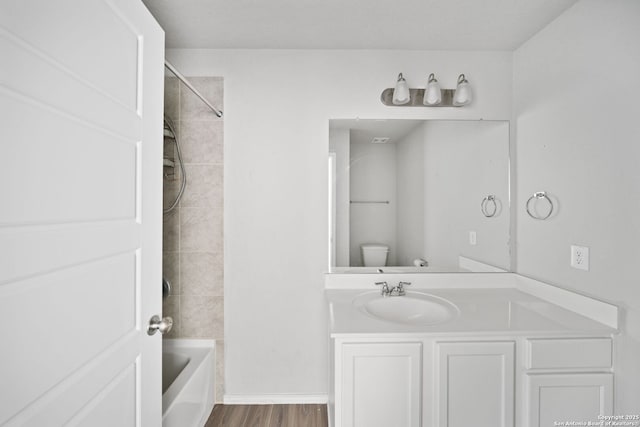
[[91, 189], [560, 397], [44, 307], [475, 384], [113, 406], [80, 223], [94, 41], [40, 78], [381, 384]]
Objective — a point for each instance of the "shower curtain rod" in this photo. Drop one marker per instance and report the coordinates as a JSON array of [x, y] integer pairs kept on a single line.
[[190, 86]]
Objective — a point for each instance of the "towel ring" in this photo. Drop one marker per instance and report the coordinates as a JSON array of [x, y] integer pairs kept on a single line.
[[539, 195], [486, 204]]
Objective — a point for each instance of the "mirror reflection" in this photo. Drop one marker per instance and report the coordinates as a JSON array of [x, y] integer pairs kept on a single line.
[[419, 195]]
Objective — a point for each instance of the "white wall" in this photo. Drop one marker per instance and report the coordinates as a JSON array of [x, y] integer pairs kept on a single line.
[[465, 162], [410, 196], [372, 179], [577, 114], [277, 106]]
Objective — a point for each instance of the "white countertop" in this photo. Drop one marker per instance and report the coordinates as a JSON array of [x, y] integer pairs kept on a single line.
[[483, 311]]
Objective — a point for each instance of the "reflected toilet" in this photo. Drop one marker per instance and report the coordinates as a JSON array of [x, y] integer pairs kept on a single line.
[[374, 255]]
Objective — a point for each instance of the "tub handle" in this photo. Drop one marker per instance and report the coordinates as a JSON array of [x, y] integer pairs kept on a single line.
[[156, 324]]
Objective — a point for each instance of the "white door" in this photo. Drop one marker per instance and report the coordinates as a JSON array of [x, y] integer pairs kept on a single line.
[[80, 213]]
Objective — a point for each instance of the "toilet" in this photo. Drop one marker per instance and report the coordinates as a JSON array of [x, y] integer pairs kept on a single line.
[[374, 255]]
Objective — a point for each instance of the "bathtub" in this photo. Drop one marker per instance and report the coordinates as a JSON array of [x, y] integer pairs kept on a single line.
[[188, 382]]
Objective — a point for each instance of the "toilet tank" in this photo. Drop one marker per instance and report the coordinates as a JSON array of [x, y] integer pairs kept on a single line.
[[374, 255]]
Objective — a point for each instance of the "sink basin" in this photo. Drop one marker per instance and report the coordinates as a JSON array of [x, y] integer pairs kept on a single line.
[[414, 308]]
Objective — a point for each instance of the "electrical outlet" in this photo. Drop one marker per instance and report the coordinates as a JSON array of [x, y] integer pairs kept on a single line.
[[472, 238], [580, 257]]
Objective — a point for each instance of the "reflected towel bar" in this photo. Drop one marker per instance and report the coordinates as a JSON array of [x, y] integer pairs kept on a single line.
[[386, 202]]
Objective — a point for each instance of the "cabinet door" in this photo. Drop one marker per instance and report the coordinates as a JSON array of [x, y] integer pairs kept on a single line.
[[568, 397], [380, 385], [475, 384]]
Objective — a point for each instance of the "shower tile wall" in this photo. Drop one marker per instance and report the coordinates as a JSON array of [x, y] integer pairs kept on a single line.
[[193, 232]]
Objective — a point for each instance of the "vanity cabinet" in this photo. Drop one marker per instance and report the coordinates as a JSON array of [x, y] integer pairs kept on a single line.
[[475, 384], [568, 380], [379, 384], [492, 382], [424, 383]]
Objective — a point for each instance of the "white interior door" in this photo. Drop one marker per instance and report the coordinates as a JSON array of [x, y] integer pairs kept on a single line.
[[80, 212]]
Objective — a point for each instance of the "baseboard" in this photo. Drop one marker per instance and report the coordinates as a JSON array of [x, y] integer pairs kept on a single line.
[[274, 399]]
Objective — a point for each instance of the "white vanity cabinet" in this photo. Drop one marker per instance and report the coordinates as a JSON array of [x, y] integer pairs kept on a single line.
[[469, 381], [423, 383], [567, 380]]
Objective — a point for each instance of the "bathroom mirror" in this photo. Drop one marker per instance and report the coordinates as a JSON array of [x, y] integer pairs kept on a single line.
[[418, 195]]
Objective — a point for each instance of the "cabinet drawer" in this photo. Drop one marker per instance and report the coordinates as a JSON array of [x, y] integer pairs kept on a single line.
[[573, 353]]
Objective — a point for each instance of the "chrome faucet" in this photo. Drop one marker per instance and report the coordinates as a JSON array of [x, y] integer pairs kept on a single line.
[[399, 290], [385, 288], [396, 291]]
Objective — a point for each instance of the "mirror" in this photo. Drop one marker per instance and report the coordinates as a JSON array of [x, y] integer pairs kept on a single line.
[[429, 195]]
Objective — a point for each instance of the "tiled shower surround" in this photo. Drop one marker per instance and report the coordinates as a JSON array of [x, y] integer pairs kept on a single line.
[[193, 231]]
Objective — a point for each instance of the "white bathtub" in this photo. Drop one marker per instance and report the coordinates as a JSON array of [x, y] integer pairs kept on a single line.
[[188, 382]]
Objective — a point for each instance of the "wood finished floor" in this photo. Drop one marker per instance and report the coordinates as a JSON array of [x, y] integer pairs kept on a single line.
[[268, 416]]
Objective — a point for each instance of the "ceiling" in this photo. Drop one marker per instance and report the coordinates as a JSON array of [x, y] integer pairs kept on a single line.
[[354, 24]]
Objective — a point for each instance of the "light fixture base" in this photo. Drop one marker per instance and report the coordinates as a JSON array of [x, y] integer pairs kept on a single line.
[[417, 96]]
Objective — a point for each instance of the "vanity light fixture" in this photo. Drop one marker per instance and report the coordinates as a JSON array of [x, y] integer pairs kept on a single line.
[[401, 93], [463, 92], [433, 93], [432, 96]]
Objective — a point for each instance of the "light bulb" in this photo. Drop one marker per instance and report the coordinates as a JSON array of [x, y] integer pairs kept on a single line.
[[433, 93], [463, 94], [401, 94]]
